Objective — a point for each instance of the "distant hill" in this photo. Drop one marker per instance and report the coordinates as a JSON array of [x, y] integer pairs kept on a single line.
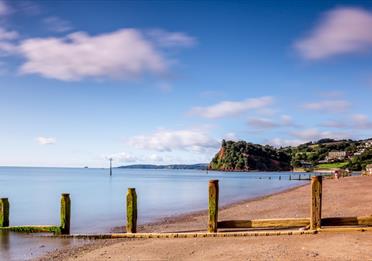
[[199, 166], [323, 154]]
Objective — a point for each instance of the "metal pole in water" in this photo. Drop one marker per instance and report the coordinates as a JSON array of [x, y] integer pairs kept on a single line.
[[110, 166]]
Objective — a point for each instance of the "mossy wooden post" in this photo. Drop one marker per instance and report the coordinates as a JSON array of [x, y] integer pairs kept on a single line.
[[316, 202], [213, 206], [65, 213], [131, 210], [4, 212]]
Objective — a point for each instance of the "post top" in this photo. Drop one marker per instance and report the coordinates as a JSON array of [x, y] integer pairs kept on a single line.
[[213, 181], [3, 198], [65, 194], [131, 189]]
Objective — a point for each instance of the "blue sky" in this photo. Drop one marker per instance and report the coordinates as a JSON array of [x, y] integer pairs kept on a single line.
[[164, 81]]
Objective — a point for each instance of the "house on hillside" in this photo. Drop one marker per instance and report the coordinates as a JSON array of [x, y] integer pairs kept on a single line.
[[337, 155], [369, 169]]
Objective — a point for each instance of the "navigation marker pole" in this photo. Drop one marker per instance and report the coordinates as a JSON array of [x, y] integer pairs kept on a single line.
[[110, 166]]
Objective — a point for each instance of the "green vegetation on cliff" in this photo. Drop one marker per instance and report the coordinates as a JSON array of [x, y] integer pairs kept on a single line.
[[323, 154], [243, 156]]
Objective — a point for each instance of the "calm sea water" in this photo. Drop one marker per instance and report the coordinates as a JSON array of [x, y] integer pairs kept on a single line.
[[98, 200]]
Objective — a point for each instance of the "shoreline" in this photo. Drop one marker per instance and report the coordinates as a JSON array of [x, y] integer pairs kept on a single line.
[[201, 213], [292, 202], [159, 225]]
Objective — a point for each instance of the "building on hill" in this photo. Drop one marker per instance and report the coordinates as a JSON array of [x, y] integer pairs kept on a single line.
[[337, 155], [369, 169]]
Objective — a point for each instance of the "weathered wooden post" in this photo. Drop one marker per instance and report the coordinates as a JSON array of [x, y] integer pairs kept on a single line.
[[4, 212], [65, 213], [131, 210], [213, 206], [316, 202]]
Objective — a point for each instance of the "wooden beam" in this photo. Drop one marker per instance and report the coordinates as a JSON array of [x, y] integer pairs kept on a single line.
[[131, 211], [261, 223], [316, 203], [345, 229], [65, 213], [213, 191], [347, 221], [4, 212], [193, 235]]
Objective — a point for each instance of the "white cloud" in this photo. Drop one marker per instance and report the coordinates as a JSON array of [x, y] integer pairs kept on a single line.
[[265, 123], [361, 121], [169, 140], [231, 136], [334, 124], [156, 158], [8, 35], [122, 157], [278, 142], [331, 106], [122, 54], [171, 39], [4, 8], [286, 120], [7, 48], [56, 24], [230, 108], [342, 30], [262, 123], [46, 140], [315, 134]]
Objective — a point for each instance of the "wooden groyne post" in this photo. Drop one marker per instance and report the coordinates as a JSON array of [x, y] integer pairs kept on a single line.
[[131, 211], [65, 213], [4, 212], [316, 202], [213, 206]]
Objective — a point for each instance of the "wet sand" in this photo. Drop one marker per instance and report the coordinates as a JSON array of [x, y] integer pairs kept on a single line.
[[350, 196]]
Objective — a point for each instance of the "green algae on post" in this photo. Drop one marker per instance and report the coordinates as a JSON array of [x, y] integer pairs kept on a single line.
[[131, 211], [33, 229], [213, 206], [65, 214], [4, 212]]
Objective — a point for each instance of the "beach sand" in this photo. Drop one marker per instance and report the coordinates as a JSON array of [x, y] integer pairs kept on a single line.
[[351, 196]]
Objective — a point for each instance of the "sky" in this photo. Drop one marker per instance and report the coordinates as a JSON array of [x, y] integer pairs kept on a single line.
[[165, 81]]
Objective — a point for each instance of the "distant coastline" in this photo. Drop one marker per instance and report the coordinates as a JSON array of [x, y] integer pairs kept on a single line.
[[198, 166]]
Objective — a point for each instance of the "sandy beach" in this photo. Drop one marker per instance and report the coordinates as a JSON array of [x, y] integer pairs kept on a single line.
[[345, 197]]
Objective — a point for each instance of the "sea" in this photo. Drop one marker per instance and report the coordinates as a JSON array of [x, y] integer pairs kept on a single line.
[[98, 199]]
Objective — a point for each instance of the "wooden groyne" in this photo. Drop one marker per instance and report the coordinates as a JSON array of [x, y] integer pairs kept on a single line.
[[266, 227], [63, 228]]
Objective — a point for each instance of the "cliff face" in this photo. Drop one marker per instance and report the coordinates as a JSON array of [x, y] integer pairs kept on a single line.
[[243, 156]]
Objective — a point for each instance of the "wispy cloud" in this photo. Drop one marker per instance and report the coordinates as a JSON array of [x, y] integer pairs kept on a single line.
[[4, 8], [127, 54], [122, 157], [279, 142], [230, 108], [340, 31], [46, 140], [262, 123], [330, 106], [8, 35], [169, 140], [171, 39], [56, 24], [335, 124], [361, 121], [313, 134], [266, 123]]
